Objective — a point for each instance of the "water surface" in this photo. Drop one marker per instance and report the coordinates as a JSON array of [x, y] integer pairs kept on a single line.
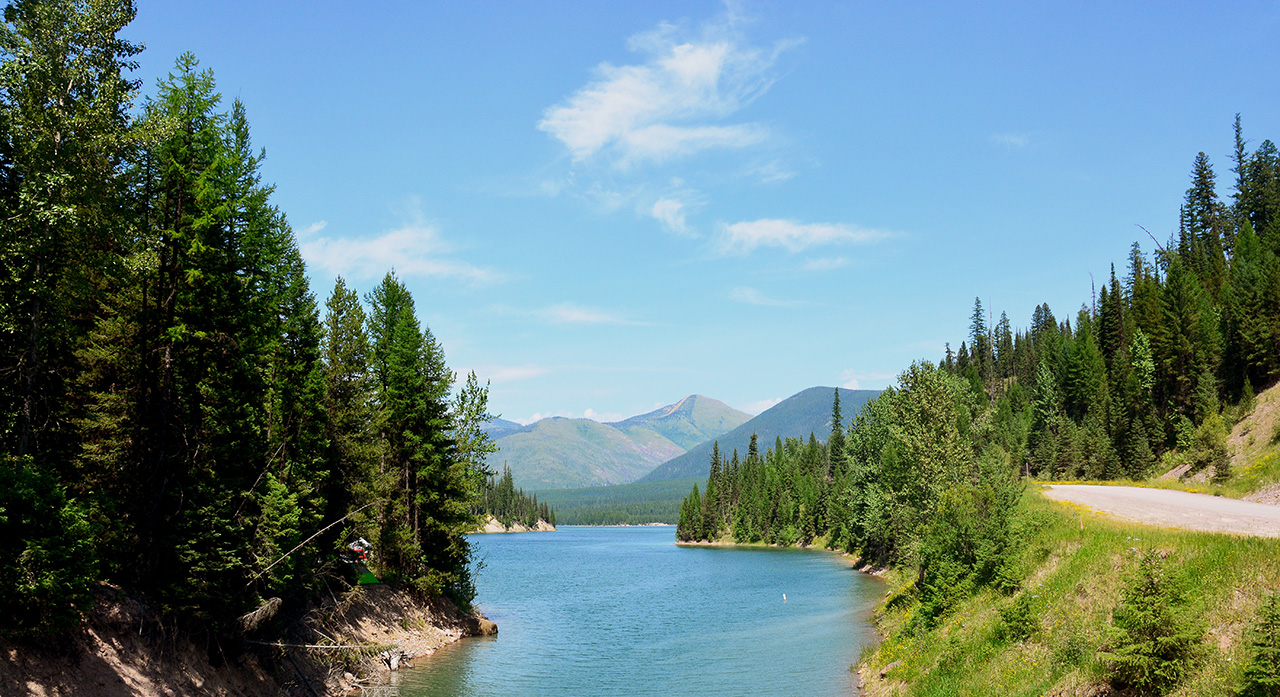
[[624, 611]]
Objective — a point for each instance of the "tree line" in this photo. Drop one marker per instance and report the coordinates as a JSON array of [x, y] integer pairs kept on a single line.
[[179, 416], [1150, 375], [509, 505]]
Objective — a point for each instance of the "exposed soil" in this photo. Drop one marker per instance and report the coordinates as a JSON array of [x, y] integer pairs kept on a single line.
[[493, 526], [122, 651]]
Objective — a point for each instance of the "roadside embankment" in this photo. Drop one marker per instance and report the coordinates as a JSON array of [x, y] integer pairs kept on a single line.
[[1051, 633]]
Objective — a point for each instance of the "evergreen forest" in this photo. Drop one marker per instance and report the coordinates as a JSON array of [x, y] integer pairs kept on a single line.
[[1148, 375], [510, 506], [181, 417]]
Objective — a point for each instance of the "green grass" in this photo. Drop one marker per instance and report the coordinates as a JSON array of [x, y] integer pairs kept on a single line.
[[1076, 578]]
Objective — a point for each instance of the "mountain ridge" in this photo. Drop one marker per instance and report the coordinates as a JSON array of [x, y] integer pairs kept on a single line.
[[561, 452], [807, 411]]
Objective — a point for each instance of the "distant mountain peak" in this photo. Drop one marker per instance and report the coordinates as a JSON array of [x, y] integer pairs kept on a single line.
[[557, 452], [803, 413], [678, 406]]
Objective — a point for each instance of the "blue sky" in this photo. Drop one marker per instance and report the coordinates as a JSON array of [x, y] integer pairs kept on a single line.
[[603, 207]]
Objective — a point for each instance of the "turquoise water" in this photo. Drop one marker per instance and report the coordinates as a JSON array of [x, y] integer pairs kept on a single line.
[[624, 611]]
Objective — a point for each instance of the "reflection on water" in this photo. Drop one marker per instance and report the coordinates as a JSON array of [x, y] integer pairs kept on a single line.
[[623, 611]]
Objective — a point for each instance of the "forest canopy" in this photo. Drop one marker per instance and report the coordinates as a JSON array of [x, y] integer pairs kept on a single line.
[[180, 417]]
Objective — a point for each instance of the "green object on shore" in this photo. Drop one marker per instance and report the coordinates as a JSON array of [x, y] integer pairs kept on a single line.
[[364, 576]]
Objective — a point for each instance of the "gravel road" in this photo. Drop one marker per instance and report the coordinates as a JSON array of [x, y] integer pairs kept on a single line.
[[1176, 509]]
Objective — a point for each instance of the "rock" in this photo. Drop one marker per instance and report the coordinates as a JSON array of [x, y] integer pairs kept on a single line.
[[479, 625], [391, 659], [884, 672]]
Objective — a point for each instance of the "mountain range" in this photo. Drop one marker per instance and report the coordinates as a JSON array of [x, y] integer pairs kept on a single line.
[[559, 453], [805, 412], [673, 442]]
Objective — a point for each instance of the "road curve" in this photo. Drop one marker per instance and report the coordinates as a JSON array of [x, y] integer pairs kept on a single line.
[[1175, 509]]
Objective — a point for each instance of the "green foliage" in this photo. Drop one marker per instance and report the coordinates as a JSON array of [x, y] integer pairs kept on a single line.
[[175, 417], [1153, 641], [1262, 674], [47, 561], [509, 505], [1019, 618]]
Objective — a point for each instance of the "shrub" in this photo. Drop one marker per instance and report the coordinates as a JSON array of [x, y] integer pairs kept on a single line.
[[47, 564], [1152, 642], [1262, 675], [1019, 619]]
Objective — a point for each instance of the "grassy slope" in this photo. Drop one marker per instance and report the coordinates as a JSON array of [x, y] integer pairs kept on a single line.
[[1077, 577]]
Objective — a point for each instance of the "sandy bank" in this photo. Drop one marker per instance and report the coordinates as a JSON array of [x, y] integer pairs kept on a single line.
[[122, 650], [492, 525]]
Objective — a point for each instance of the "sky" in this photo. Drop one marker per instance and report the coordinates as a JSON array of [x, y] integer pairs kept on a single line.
[[603, 207]]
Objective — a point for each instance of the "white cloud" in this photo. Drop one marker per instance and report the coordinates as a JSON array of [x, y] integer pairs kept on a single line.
[[498, 374], [1011, 140], [751, 296], [588, 413], [666, 106], [744, 237], [416, 249], [314, 228], [670, 212], [759, 406], [825, 264], [569, 313], [852, 380]]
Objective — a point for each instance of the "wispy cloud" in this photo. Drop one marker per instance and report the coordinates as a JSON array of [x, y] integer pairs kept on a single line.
[[570, 313], [853, 380], [1011, 140], [759, 406], [588, 413], [824, 264], [670, 212], [415, 249], [751, 296], [313, 228], [667, 105], [744, 237], [770, 172], [498, 374]]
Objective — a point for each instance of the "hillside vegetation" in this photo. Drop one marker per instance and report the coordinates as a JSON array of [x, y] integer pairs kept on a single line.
[[557, 453], [804, 413], [636, 503], [178, 415], [930, 480]]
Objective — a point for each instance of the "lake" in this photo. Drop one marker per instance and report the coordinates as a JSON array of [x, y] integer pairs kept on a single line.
[[624, 611]]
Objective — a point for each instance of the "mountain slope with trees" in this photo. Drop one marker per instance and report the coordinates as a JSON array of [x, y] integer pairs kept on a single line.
[[559, 453], [804, 413]]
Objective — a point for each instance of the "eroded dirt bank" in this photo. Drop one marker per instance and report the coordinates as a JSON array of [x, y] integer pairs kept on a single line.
[[121, 650]]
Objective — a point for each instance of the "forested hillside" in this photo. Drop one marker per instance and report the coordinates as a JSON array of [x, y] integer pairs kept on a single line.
[[510, 505], [559, 453], [805, 412], [1149, 375], [180, 417]]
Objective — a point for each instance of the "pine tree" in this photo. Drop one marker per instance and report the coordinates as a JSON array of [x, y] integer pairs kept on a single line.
[[1262, 675], [354, 451]]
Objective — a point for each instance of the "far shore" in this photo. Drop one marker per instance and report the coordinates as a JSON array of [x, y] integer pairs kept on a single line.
[[854, 561], [619, 525]]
